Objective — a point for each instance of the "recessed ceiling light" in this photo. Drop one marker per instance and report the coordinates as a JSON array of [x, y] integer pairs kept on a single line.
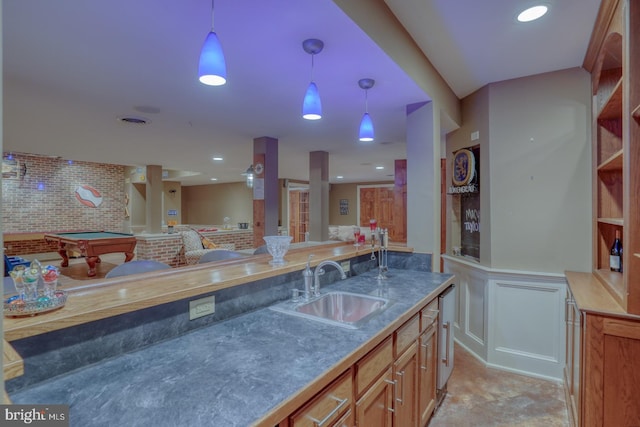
[[214, 179], [218, 158], [532, 13], [339, 177], [379, 167]]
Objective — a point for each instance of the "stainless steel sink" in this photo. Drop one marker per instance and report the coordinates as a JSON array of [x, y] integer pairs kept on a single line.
[[344, 309]]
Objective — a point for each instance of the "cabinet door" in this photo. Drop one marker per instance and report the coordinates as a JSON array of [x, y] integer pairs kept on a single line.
[[611, 383], [428, 355], [375, 407], [405, 371], [576, 362]]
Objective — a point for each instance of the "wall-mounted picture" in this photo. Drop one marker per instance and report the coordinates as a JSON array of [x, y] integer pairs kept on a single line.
[[10, 169], [344, 206]]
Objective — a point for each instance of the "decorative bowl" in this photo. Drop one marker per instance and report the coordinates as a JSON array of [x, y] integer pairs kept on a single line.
[[277, 247], [16, 307]]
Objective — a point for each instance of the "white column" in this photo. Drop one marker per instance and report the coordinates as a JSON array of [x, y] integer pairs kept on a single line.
[[154, 191], [423, 180], [318, 196]]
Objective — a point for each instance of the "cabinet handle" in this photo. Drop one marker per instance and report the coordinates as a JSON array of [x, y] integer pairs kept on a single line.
[[341, 403], [447, 327], [393, 383], [423, 365], [401, 399]]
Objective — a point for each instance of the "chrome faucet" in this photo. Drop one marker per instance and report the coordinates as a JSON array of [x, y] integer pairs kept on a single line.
[[320, 270]]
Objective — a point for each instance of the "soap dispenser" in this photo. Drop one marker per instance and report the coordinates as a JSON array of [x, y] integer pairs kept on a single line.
[[307, 274]]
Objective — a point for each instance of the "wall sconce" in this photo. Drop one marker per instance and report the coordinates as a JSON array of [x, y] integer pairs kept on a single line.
[[312, 106], [249, 175], [366, 124]]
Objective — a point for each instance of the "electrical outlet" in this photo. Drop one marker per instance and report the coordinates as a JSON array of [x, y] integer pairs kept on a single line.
[[346, 266], [202, 307]]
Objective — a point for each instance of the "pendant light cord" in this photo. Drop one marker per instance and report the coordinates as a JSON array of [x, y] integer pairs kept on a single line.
[[212, 13], [366, 100]]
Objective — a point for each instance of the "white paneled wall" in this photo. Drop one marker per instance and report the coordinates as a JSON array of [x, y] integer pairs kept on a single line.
[[512, 320]]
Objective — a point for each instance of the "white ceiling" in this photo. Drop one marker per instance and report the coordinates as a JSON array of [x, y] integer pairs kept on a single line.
[[73, 67]]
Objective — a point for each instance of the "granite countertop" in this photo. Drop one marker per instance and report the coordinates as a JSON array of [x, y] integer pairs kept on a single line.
[[230, 373]]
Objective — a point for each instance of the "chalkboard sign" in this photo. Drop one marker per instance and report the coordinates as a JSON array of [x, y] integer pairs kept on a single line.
[[470, 211]]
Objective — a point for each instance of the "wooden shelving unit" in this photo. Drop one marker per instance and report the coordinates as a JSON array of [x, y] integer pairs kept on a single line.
[[616, 152]]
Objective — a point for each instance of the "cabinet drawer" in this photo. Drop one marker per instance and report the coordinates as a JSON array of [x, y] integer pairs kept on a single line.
[[373, 365], [326, 407], [407, 334], [429, 315]]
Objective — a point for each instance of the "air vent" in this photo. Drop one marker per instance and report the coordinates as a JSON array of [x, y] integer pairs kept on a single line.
[[134, 120]]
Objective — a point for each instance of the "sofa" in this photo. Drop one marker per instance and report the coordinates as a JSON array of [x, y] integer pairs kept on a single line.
[[194, 246]]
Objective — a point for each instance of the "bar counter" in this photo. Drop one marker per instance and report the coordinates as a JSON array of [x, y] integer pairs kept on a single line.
[[88, 303], [252, 369]]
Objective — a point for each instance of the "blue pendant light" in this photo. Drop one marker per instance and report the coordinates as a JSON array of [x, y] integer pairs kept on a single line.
[[366, 124], [212, 69], [312, 105]]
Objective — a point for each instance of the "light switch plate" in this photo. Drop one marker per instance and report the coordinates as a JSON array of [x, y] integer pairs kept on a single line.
[[202, 307], [346, 266]]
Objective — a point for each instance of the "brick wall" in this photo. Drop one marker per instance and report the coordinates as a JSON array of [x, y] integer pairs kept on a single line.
[[42, 198], [166, 248]]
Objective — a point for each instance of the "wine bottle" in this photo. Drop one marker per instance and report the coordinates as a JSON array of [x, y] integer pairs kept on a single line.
[[615, 257]]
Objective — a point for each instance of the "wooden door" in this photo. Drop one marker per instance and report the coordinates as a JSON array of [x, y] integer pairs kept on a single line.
[[374, 409], [377, 203], [298, 214], [406, 398]]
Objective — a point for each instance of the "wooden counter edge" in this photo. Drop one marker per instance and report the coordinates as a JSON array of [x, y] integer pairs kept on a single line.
[[295, 401], [6, 399], [592, 297], [93, 309], [12, 364]]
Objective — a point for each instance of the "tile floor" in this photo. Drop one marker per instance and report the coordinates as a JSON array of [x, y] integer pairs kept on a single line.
[[479, 396]]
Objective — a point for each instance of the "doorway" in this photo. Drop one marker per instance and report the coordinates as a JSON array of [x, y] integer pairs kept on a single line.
[[298, 195]]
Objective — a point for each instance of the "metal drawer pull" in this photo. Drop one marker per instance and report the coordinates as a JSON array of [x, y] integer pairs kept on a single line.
[[320, 423]]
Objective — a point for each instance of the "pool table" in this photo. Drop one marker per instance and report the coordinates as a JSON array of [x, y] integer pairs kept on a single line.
[[92, 244]]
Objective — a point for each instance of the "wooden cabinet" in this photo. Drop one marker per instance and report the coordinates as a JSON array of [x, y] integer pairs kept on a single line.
[[428, 357], [405, 373], [573, 360], [611, 378], [374, 387], [614, 61], [375, 407], [393, 385], [330, 407], [602, 379]]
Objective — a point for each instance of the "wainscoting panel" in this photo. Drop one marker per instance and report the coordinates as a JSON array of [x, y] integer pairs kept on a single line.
[[512, 320], [527, 327]]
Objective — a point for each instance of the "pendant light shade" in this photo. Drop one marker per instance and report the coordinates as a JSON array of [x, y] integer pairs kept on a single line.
[[312, 105], [366, 128], [212, 68], [366, 133]]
